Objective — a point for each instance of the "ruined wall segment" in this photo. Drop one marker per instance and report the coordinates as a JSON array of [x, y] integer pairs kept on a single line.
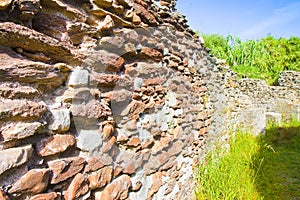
[[100, 99], [249, 104]]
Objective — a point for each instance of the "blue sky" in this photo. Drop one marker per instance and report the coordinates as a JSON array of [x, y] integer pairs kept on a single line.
[[247, 19]]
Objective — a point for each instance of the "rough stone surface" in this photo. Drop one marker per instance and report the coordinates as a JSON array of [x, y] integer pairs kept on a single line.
[[20, 130], [21, 109], [61, 120], [17, 36], [95, 163], [100, 178], [46, 196], [77, 188], [55, 144], [65, 168], [35, 181], [119, 99], [118, 189], [15, 67], [14, 157]]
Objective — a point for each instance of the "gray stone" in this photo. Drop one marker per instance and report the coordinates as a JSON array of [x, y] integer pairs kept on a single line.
[[61, 119], [79, 78], [14, 157], [89, 140]]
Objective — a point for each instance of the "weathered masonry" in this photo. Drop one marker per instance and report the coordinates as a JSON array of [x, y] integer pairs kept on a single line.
[[115, 99]]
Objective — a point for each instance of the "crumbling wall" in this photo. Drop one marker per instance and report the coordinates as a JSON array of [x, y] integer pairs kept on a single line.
[[116, 99], [102, 99], [249, 104]]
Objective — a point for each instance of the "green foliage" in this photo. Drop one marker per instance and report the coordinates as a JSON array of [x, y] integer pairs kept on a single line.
[[263, 59]]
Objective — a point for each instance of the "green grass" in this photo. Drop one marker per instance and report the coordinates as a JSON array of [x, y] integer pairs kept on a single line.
[[279, 175], [229, 175], [266, 167]]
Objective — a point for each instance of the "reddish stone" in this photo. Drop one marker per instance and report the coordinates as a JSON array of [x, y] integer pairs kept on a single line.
[[169, 164], [78, 187], [55, 144], [21, 109], [134, 142], [3, 196], [103, 61], [117, 170], [152, 165], [129, 168], [149, 53], [46, 196], [93, 109], [176, 148], [95, 163], [142, 3], [34, 181], [13, 35], [108, 129], [202, 131], [16, 91], [154, 81], [131, 70], [135, 108], [118, 189], [163, 157], [100, 178], [156, 184], [65, 168], [108, 145], [145, 15], [105, 80]]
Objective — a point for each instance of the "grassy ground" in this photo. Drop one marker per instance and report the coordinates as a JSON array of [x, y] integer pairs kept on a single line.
[[279, 174], [267, 167]]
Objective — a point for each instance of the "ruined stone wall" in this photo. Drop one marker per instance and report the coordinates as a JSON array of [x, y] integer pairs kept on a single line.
[[249, 104], [115, 99], [100, 99]]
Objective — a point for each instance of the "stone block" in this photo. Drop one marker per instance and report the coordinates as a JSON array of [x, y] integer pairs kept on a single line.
[[14, 157]]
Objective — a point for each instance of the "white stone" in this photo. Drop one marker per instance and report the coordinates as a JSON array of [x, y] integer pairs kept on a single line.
[[89, 140], [61, 119], [79, 78]]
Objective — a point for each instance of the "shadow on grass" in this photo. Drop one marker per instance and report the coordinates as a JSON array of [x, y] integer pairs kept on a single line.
[[277, 164]]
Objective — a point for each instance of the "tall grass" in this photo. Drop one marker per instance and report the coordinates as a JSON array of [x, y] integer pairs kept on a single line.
[[263, 59], [229, 175]]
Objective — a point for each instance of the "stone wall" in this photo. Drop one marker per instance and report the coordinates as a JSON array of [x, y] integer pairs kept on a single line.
[[101, 99], [116, 99], [249, 104]]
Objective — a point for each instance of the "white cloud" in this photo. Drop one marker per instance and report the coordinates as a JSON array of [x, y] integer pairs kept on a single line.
[[279, 17]]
